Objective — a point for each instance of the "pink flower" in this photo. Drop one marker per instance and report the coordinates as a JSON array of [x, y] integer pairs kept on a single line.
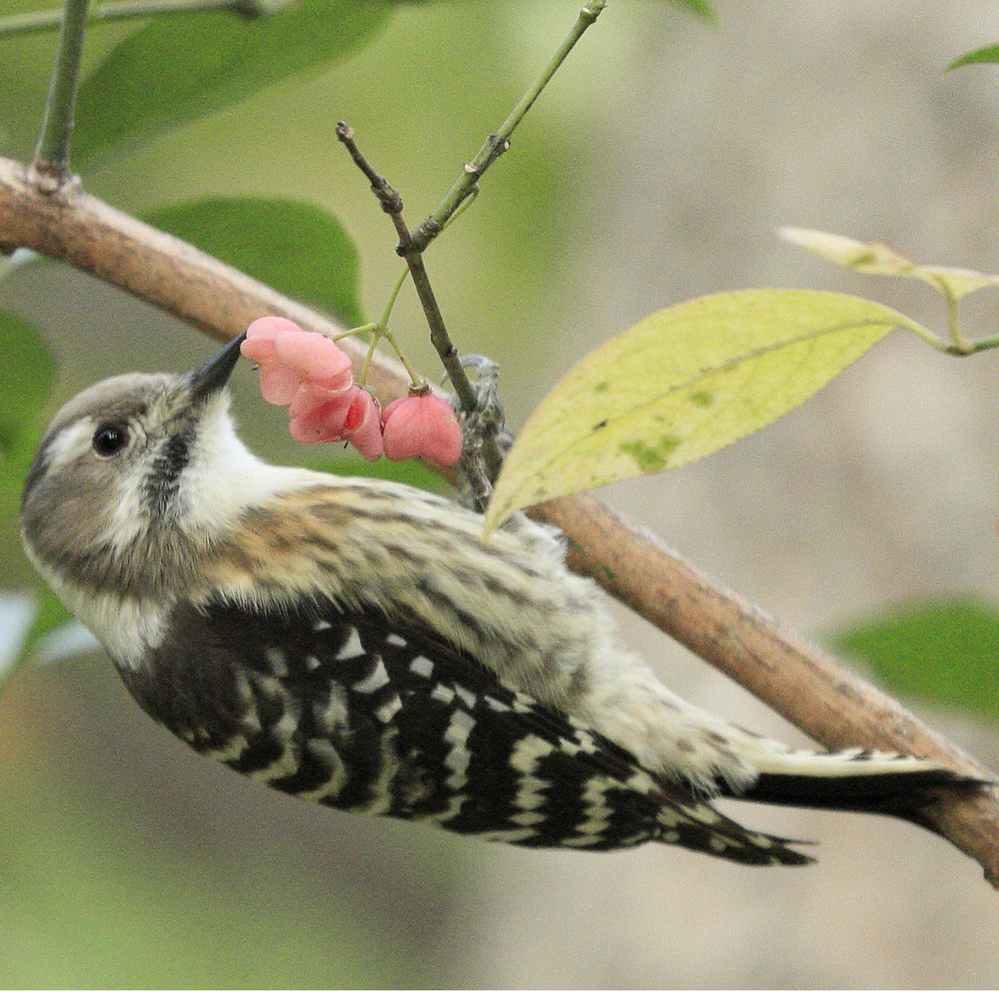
[[315, 358], [278, 385], [421, 426], [363, 426], [297, 368], [305, 372], [323, 421], [314, 379]]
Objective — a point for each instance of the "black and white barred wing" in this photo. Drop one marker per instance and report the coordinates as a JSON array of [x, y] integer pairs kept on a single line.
[[329, 706]]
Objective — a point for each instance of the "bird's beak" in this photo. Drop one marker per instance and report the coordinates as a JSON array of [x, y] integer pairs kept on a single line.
[[214, 374]]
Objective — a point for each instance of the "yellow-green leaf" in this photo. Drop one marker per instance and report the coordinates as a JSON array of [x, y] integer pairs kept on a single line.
[[874, 258], [683, 383]]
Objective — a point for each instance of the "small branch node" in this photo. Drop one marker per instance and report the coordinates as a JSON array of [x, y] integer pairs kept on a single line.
[[388, 197], [52, 179]]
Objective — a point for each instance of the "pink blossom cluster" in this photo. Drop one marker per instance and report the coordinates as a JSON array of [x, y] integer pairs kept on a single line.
[[314, 379]]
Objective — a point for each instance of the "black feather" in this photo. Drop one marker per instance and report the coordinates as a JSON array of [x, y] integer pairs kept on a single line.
[[371, 714]]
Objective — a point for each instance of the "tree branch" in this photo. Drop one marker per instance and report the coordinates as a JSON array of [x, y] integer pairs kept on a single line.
[[798, 680], [794, 678], [73, 227]]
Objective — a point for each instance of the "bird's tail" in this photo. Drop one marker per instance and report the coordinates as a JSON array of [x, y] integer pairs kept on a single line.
[[698, 826], [854, 780]]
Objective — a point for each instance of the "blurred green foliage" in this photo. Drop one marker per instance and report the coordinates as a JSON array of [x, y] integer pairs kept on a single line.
[[296, 248], [175, 69], [26, 376], [27, 371], [940, 652], [981, 56]]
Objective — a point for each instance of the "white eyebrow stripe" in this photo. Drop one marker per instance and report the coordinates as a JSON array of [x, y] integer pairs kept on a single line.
[[67, 444]]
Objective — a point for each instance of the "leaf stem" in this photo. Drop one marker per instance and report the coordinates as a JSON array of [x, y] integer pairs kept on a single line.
[[52, 153], [958, 343], [966, 348], [496, 144], [931, 338], [117, 10], [383, 321]]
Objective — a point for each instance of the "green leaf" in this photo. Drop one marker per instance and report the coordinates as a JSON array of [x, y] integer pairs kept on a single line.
[[298, 249], [49, 615], [874, 258], [26, 375], [989, 54], [942, 652], [411, 472], [177, 69], [683, 383], [699, 7]]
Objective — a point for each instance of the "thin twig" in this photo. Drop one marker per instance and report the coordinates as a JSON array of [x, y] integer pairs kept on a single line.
[[391, 203], [496, 144], [52, 153], [412, 244], [792, 677]]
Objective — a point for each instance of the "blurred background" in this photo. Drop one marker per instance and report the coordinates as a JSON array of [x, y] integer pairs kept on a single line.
[[654, 169]]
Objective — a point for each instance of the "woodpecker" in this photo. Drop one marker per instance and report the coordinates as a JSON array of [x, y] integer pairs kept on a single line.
[[359, 643]]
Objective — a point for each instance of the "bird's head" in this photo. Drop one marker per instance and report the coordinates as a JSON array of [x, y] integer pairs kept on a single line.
[[129, 468]]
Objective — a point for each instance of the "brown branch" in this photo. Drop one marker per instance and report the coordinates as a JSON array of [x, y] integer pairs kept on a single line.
[[806, 686], [71, 226], [797, 680]]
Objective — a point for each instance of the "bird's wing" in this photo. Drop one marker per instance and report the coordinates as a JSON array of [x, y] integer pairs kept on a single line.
[[363, 712]]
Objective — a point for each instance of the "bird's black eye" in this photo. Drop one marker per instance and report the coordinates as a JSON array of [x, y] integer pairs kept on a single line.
[[109, 439]]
